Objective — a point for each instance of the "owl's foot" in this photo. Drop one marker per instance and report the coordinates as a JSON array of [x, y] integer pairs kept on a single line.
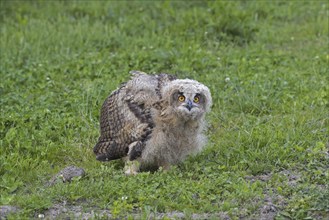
[[132, 167], [165, 168]]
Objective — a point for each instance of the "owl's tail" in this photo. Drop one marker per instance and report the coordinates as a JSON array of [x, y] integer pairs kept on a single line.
[[109, 150]]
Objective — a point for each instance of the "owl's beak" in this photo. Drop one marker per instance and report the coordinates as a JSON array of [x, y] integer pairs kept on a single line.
[[189, 105]]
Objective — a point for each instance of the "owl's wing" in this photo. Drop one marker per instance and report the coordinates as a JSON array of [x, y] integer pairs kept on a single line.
[[126, 122], [112, 142]]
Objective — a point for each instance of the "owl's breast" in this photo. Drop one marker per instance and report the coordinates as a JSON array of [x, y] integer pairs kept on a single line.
[[170, 146]]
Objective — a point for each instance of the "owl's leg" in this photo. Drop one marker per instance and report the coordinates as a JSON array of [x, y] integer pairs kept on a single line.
[[132, 164], [165, 167], [132, 167]]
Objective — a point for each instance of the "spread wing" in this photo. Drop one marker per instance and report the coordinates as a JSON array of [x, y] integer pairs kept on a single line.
[[126, 121]]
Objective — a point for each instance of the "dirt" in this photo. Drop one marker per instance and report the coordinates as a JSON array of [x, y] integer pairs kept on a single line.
[[62, 211], [271, 205], [6, 210]]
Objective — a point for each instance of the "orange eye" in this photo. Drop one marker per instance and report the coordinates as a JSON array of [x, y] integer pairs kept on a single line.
[[181, 98], [196, 99]]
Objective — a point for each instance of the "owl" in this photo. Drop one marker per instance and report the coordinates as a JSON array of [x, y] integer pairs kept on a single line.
[[153, 121]]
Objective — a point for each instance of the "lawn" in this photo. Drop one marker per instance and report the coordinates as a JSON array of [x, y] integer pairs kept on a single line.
[[265, 62]]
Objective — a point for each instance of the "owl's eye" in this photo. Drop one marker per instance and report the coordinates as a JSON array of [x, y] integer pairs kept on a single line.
[[196, 99], [181, 98]]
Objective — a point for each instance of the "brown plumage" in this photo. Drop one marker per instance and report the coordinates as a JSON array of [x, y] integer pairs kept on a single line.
[[143, 121]]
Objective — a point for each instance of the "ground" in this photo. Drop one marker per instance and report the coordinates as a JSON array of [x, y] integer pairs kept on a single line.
[[266, 64]]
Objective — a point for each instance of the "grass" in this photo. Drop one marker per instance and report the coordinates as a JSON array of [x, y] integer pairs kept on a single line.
[[266, 64]]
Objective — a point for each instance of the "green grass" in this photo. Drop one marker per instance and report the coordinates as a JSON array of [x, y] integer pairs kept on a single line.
[[266, 64]]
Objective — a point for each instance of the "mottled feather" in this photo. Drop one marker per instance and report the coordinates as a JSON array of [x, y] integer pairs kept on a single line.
[[156, 120], [126, 117]]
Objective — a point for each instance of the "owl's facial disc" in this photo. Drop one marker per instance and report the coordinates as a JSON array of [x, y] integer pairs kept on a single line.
[[189, 106], [187, 102]]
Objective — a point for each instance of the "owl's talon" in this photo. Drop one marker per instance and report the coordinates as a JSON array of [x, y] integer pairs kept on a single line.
[[130, 172]]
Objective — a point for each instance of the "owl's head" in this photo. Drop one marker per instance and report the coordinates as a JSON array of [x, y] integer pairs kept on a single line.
[[187, 98]]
